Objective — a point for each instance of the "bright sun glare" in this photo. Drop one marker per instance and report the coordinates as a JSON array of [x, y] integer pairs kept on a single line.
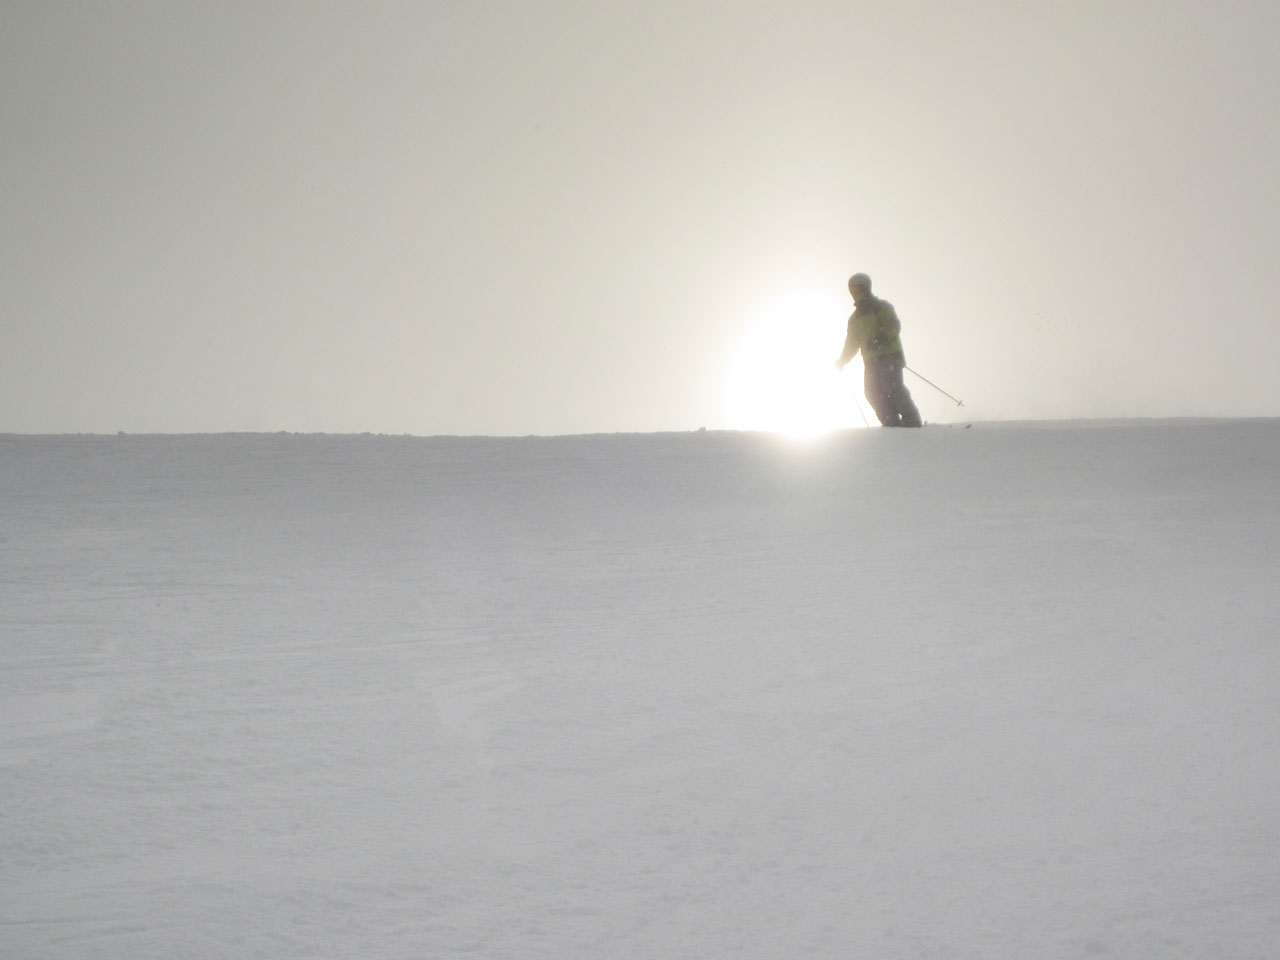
[[782, 377]]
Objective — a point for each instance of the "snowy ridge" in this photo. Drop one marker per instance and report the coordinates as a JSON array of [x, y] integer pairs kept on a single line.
[[999, 692]]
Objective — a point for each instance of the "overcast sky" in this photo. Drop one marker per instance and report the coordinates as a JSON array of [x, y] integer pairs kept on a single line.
[[550, 217]]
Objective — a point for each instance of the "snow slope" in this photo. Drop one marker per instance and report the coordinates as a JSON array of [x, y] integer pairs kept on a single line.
[[1008, 691]]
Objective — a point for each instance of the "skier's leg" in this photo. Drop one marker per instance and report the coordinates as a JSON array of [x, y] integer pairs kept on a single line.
[[903, 405], [875, 379]]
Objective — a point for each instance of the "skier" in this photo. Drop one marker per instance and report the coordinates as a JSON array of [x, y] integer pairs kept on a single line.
[[873, 329]]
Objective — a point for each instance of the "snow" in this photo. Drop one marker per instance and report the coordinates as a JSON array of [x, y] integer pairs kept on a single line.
[[1008, 691]]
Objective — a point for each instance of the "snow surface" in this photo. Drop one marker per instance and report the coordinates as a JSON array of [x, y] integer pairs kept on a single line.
[[1008, 691]]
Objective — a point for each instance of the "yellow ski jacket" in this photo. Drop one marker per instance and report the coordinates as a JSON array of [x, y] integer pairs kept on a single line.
[[873, 329]]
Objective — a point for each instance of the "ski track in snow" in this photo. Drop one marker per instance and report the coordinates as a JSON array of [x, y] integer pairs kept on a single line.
[[1000, 692]]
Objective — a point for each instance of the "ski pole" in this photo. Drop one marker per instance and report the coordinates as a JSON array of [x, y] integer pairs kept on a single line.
[[959, 403], [862, 413]]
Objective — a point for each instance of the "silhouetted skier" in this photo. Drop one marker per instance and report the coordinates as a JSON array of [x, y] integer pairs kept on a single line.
[[873, 329]]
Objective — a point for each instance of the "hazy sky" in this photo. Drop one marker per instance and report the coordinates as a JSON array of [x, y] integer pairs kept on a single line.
[[552, 217]]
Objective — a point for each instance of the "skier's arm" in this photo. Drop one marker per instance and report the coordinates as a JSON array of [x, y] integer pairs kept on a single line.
[[850, 347]]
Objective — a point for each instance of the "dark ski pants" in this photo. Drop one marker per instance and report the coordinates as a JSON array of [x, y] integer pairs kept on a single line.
[[887, 394]]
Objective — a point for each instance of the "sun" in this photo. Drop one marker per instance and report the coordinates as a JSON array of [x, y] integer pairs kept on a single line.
[[782, 376]]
